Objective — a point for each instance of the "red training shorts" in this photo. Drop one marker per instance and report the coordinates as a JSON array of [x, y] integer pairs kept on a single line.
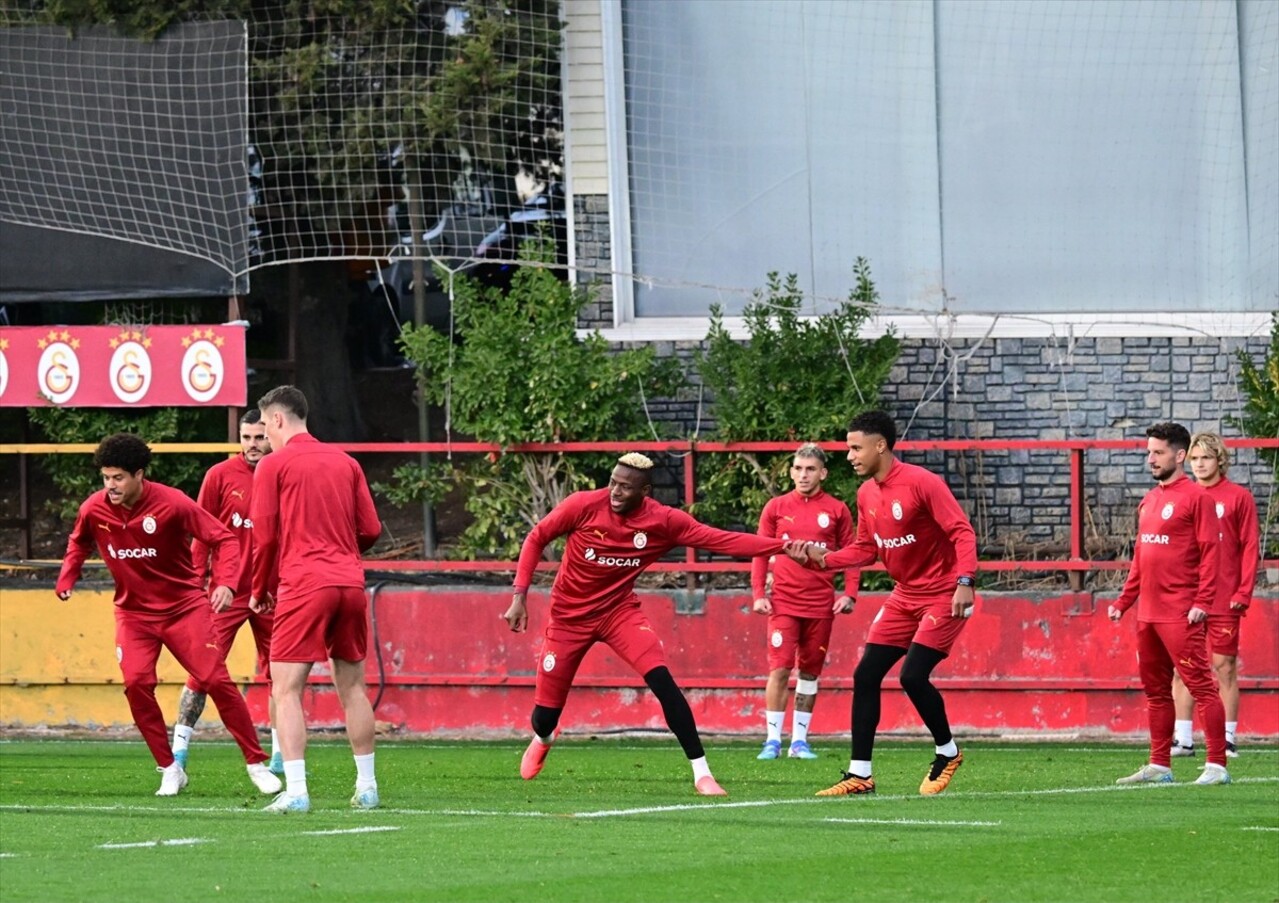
[[226, 624], [926, 621], [329, 623], [1223, 634], [798, 642], [625, 630]]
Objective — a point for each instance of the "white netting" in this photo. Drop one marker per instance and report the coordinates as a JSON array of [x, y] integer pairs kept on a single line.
[[988, 157]]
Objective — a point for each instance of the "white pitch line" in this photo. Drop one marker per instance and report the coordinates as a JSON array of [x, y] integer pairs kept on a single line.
[[680, 807], [176, 842], [915, 821], [1259, 828], [367, 829]]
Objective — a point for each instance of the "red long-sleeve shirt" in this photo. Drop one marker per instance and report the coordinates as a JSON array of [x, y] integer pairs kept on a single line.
[[1240, 548], [225, 493], [313, 515], [147, 549], [911, 522], [798, 591], [1174, 559], [606, 552]]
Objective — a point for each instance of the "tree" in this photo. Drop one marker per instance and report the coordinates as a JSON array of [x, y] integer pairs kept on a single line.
[[518, 372], [357, 106], [795, 379], [1260, 386]]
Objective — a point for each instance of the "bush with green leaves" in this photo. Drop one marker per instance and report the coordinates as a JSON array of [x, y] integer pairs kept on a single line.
[[77, 478], [1260, 387], [794, 379], [517, 372]]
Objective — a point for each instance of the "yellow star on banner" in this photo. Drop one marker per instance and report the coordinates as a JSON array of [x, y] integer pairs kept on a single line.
[[42, 344], [75, 344], [136, 336], [208, 333], [65, 335], [219, 341], [186, 341], [146, 343], [53, 335], [4, 344], [114, 343]]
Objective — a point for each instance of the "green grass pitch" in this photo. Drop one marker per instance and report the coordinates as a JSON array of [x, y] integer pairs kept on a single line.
[[617, 820]]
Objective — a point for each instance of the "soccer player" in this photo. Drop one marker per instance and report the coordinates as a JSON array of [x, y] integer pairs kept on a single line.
[[312, 517], [1236, 574], [613, 535], [141, 529], [1173, 581], [908, 518], [225, 494], [800, 608]]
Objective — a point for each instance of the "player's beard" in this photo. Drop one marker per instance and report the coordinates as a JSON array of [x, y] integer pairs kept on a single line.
[[1163, 475]]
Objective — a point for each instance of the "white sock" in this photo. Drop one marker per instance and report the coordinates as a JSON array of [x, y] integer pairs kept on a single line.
[[364, 776], [295, 777], [700, 769], [1159, 767], [1231, 726], [949, 750], [774, 721], [1182, 733], [799, 726], [545, 741], [181, 737], [275, 742], [859, 767]]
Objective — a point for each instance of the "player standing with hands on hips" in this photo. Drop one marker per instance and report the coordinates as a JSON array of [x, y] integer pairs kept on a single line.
[[907, 518], [1173, 582]]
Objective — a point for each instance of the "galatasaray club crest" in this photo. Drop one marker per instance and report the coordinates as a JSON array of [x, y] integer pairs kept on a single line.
[[1167, 512], [641, 540], [1221, 510], [148, 524], [776, 639], [202, 367], [130, 368], [548, 662], [897, 510], [823, 520], [58, 372]]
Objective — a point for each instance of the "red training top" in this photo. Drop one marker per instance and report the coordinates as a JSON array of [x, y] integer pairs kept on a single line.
[[798, 591], [225, 494], [606, 552], [312, 517], [1174, 560], [911, 522], [1240, 548], [146, 549]]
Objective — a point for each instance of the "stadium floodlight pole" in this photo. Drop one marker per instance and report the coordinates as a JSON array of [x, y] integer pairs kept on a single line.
[[419, 318]]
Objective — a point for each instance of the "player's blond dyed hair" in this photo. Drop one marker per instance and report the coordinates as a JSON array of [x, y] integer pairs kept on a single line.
[[1215, 446], [636, 461]]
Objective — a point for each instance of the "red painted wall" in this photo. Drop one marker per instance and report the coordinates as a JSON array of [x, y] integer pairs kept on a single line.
[[1042, 663]]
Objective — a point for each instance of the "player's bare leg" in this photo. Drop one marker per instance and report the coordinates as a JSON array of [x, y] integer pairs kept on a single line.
[[288, 681], [1183, 739], [1226, 667], [190, 707], [348, 679], [775, 693], [805, 699]]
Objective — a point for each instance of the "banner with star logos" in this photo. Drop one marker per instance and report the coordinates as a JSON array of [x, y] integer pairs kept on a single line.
[[120, 367]]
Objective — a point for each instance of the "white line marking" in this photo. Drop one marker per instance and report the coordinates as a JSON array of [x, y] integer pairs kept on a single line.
[[680, 807], [8, 855], [914, 821], [176, 842], [1259, 828], [367, 829]]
